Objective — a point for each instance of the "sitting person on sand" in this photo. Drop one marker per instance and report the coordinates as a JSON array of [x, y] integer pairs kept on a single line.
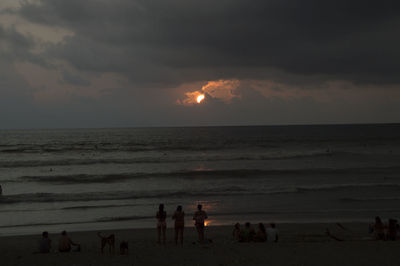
[[261, 235], [179, 217], [45, 243], [161, 223], [247, 233], [272, 233], [237, 233], [65, 243], [379, 229], [199, 217]]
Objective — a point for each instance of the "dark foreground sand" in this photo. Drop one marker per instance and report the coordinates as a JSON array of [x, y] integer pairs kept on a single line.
[[300, 244]]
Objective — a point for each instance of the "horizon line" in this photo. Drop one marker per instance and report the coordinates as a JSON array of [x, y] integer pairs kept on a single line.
[[205, 126]]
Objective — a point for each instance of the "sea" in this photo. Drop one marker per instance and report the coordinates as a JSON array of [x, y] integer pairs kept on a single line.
[[98, 179]]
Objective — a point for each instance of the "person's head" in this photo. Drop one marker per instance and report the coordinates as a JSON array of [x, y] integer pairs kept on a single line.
[[237, 226], [199, 207], [247, 225], [45, 234], [261, 227], [272, 225], [161, 207], [378, 220], [64, 233], [179, 208]]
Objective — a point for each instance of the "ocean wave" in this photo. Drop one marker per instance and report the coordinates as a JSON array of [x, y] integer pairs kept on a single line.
[[233, 173], [355, 199], [334, 187], [161, 159], [118, 195], [208, 193], [164, 158]]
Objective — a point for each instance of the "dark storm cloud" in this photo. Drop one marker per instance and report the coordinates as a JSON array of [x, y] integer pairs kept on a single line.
[[14, 45], [74, 79], [169, 42]]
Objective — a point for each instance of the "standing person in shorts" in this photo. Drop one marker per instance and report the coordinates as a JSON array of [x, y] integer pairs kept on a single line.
[[199, 217], [179, 217], [161, 223]]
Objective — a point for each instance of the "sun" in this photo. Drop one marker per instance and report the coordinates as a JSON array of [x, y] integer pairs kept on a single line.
[[200, 98]]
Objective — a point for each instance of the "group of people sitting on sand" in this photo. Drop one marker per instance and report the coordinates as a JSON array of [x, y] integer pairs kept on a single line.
[[389, 231], [64, 243], [179, 216], [248, 234]]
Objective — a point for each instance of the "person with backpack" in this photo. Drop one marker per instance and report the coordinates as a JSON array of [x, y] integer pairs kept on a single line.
[[199, 217]]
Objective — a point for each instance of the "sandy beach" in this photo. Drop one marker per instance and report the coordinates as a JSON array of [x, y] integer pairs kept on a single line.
[[299, 244]]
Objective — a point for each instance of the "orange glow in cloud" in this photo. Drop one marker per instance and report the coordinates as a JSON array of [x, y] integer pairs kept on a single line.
[[200, 98], [224, 90]]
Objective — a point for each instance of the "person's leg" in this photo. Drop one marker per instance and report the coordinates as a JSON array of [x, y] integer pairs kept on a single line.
[[159, 234], [198, 231], [202, 234], [176, 235], [181, 235], [164, 228]]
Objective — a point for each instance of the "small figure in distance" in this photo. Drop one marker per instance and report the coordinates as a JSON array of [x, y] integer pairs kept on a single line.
[[179, 217], [161, 223], [65, 243], [272, 233], [45, 243], [199, 217], [379, 229], [261, 235], [248, 233], [391, 230], [237, 233]]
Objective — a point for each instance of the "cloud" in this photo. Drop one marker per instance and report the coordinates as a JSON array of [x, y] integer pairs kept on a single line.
[[170, 42], [222, 90], [74, 79]]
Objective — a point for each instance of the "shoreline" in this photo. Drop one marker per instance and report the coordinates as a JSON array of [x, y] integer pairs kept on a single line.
[[126, 226]]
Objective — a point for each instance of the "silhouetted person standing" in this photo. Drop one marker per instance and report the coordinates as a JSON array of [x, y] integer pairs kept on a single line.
[[161, 223], [179, 217], [199, 217]]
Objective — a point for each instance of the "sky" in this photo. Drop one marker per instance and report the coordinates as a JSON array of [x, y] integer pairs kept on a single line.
[[128, 63]]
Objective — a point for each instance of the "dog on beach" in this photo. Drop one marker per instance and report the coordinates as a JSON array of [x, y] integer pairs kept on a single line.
[[107, 240], [123, 247]]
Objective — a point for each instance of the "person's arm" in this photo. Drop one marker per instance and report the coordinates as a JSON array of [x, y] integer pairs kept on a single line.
[[72, 243], [205, 216]]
